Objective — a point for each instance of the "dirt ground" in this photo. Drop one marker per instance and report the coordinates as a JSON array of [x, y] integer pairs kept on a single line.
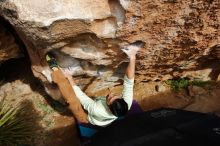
[[57, 126]]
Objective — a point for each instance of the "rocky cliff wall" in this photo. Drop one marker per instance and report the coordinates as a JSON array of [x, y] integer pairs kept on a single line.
[[9, 46], [182, 38]]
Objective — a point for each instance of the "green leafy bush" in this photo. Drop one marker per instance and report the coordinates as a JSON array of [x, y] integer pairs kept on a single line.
[[183, 83], [177, 84]]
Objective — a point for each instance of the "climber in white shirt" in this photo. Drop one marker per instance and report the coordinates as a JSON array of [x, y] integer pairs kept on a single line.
[[104, 110]]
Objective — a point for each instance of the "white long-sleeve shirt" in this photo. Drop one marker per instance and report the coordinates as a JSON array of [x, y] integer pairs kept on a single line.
[[98, 110]]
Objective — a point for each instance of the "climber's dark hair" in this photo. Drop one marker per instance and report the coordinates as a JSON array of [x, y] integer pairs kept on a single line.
[[118, 107], [139, 43]]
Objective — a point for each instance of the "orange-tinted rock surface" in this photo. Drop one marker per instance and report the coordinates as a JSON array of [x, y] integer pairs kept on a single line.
[[182, 38]]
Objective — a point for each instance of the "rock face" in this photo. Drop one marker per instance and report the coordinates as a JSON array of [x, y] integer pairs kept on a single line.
[[8, 47], [181, 37]]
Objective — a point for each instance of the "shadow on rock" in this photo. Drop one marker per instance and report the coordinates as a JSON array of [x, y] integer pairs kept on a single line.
[[204, 99]]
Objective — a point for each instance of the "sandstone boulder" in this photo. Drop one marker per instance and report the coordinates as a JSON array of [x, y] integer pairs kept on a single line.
[[87, 35], [196, 90]]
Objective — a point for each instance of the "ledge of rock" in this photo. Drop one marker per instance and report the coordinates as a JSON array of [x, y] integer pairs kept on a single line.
[[9, 48], [182, 38]]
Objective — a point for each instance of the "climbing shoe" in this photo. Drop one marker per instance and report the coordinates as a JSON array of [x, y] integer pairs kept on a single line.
[[51, 61]]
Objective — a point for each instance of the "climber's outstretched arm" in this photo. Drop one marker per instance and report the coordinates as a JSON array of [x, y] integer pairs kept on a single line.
[[86, 101], [131, 51], [127, 93]]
